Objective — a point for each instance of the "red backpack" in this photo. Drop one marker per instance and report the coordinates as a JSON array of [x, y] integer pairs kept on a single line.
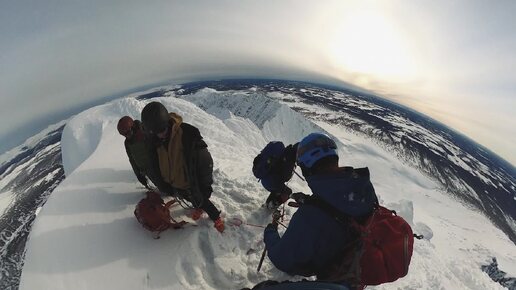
[[154, 215], [385, 250], [381, 252]]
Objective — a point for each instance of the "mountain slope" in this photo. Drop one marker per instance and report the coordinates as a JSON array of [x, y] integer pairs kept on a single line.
[[28, 174], [86, 235], [462, 167]]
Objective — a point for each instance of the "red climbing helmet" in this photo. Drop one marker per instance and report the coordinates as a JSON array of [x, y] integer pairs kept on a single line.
[[125, 125]]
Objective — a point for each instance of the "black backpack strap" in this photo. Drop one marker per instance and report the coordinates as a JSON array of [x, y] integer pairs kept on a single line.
[[329, 209]]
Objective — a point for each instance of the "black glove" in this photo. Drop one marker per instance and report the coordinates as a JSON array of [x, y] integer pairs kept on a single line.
[[271, 227], [273, 201], [276, 199], [299, 197]]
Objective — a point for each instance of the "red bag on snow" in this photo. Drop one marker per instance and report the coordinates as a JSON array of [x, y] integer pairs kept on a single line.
[[154, 215]]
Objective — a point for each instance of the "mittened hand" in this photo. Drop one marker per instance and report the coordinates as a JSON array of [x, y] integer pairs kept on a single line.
[[273, 201], [271, 227], [299, 197]]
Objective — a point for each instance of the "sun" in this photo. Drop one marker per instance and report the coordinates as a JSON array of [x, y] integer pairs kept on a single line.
[[366, 42]]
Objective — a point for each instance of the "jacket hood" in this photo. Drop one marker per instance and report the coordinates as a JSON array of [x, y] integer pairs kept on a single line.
[[351, 195], [176, 118]]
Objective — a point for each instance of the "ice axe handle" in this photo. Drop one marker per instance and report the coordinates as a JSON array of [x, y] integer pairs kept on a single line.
[[261, 259]]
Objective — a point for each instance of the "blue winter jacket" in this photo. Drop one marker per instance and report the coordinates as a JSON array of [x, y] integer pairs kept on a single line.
[[313, 238]]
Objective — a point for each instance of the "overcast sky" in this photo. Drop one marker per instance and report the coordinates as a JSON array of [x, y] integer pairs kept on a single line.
[[452, 60]]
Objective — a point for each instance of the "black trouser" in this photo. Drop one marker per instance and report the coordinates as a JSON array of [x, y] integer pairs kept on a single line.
[[205, 180], [204, 204], [203, 175], [204, 170], [210, 209]]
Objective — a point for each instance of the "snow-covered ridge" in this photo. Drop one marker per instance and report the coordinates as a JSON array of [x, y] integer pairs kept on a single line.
[[461, 167], [83, 132], [277, 121], [86, 235], [465, 172]]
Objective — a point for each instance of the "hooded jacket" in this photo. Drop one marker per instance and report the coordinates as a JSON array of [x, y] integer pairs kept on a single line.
[[313, 238]]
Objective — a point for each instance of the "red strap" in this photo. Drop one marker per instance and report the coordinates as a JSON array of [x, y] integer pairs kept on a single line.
[[170, 203]]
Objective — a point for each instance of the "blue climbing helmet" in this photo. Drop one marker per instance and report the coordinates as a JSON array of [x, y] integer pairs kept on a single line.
[[313, 148]]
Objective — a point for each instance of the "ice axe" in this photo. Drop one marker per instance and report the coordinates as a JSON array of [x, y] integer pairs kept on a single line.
[[276, 215], [261, 259]]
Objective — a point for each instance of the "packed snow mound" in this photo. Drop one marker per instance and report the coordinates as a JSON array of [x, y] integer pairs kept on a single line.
[[86, 235], [83, 132]]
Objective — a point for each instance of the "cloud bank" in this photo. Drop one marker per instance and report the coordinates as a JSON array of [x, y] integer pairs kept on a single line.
[[59, 57]]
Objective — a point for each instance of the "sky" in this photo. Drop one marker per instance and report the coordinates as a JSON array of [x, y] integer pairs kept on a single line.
[[451, 60]]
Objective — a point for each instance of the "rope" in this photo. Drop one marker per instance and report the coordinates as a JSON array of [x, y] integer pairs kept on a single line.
[[184, 203], [283, 212], [238, 222], [299, 175]]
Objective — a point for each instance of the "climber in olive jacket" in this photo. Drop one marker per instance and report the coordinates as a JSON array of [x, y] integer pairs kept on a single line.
[[140, 151]]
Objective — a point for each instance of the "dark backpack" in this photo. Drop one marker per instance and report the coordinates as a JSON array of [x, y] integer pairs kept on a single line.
[[275, 163], [268, 159], [380, 253], [154, 215]]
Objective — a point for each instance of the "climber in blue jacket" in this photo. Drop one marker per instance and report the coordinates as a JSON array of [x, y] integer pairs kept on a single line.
[[314, 241]]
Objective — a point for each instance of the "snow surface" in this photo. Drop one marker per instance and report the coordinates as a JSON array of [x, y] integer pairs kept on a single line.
[[86, 237]]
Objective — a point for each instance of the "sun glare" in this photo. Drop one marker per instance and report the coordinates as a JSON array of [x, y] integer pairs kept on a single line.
[[367, 43]]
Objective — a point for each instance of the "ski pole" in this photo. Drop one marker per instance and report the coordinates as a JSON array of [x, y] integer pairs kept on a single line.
[[261, 259]]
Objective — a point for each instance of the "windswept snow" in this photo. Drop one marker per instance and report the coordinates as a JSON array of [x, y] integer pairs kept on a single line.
[[86, 236]]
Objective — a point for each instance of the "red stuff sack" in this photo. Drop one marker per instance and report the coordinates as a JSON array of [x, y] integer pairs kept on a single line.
[[154, 215]]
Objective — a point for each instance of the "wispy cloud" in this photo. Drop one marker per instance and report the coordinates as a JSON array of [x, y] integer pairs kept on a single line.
[[60, 56]]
